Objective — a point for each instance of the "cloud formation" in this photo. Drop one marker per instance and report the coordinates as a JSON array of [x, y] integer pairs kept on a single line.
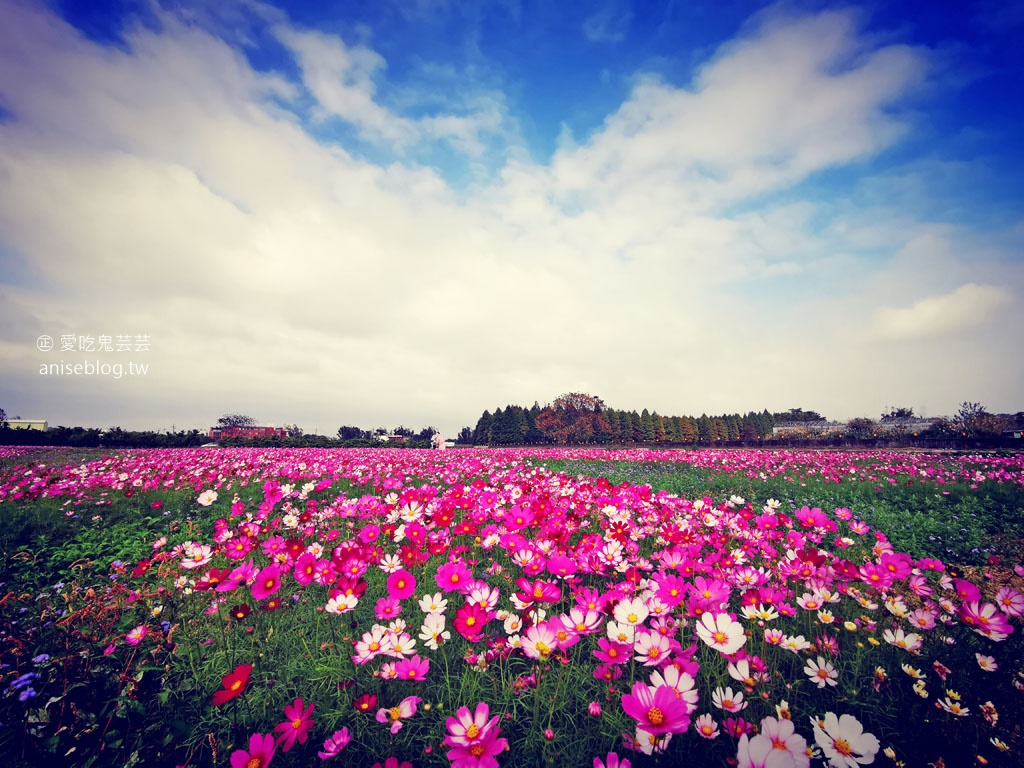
[[670, 259]]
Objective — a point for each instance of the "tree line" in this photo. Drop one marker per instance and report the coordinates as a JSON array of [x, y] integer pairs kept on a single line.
[[581, 419]]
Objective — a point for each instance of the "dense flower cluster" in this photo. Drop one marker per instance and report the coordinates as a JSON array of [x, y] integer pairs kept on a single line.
[[693, 614]]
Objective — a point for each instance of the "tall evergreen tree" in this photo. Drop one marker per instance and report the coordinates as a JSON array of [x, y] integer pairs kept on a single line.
[[646, 427], [659, 427], [482, 433]]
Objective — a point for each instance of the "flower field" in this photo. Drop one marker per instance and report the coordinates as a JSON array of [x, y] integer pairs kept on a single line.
[[254, 607]]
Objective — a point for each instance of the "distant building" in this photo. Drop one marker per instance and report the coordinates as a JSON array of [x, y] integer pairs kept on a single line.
[[807, 428], [246, 433], [27, 424]]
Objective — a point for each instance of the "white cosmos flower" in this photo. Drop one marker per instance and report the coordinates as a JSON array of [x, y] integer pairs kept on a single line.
[[843, 741], [721, 632], [821, 672]]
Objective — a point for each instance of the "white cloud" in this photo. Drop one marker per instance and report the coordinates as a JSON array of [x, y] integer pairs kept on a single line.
[[167, 189], [343, 78], [968, 308]]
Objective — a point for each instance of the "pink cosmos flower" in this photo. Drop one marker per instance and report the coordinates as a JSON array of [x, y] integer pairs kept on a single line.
[[395, 715], [470, 621], [451, 577], [656, 710], [538, 591], [401, 584], [1010, 601], [986, 620], [334, 744], [297, 725], [387, 608], [611, 652], [466, 728], [305, 568], [260, 753], [136, 635], [474, 739], [392, 762], [415, 668], [267, 583], [612, 760]]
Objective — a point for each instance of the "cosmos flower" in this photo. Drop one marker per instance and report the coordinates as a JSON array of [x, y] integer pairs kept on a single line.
[[721, 632], [234, 683], [843, 741], [297, 725]]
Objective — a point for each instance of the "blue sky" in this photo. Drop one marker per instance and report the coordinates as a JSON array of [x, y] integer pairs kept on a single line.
[[407, 212]]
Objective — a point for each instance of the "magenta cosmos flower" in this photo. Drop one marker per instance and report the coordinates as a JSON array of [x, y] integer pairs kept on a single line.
[[657, 710], [401, 585], [267, 582], [452, 577], [334, 744], [466, 728], [296, 727], [415, 668], [260, 753], [480, 749]]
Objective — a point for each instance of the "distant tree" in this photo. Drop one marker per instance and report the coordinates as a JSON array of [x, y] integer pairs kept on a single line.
[[3, 419], [897, 420], [974, 420], [236, 420], [646, 427], [719, 432], [688, 430], [293, 430], [672, 433], [898, 414], [614, 425], [704, 433], [732, 423], [402, 431], [799, 415], [573, 418], [659, 427], [351, 433], [861, 427], [427, 434], [465, 436]]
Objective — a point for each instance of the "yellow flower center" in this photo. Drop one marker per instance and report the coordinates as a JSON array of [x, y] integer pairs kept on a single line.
[[655, 716], [396, 713], [842, 746], [473, 731]]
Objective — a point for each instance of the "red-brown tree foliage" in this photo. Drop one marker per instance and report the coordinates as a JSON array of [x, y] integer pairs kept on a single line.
[[573, 418]]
